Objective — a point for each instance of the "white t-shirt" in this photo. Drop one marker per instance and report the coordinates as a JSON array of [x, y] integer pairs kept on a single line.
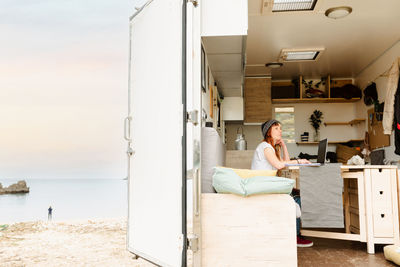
[[259, 161]]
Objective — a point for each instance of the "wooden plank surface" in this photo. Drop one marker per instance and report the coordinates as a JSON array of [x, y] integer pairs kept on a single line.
[[253, 231], [346, 204], [368, 208], [341, 82], [330, 142], [331, 235], [356, 167], [257, 100], [361, 207]]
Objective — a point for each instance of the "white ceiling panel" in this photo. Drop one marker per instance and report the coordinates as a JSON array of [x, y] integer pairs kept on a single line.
[[225, 55], [227, 92], [223, 44], [228, 79], [351, 43], [225, 62]]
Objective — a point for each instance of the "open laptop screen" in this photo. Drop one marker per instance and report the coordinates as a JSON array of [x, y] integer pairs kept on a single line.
[[322, 151]]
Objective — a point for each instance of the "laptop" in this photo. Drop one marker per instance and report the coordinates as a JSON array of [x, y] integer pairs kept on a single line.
[[322, 146]]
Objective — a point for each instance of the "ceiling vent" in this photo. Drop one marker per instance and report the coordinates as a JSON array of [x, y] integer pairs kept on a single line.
[[300, 55], [288, 5]]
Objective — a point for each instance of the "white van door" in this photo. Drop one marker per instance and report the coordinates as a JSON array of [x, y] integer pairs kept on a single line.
[[156, 133]]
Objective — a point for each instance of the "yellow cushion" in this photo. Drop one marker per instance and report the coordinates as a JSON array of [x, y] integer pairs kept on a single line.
[[246, 173], [392, 253]]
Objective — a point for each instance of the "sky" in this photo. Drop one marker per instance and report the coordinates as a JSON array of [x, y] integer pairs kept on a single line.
[[63, 88]]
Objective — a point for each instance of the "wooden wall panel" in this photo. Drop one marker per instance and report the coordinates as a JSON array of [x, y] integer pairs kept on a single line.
[[257, 97]]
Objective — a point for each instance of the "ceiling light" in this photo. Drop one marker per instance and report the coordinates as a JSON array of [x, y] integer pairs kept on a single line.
[[309, 55], [338, 12], [305, 54], [293, 5], [274, 65]]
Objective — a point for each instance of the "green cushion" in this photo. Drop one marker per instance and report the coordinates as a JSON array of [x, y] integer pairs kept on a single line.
[[268, 185], [225, 180]]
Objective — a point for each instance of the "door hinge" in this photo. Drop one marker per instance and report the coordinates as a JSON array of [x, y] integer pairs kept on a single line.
[[194, 2], [193, 117], [193, 242]]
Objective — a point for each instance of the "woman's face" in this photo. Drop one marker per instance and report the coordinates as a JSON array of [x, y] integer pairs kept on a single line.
[[276, 132]]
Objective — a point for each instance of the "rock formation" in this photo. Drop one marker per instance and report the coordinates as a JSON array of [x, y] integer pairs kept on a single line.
[[16, 188]]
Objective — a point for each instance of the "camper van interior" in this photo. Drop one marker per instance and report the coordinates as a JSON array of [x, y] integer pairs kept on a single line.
[[324, 69], [288, 60]]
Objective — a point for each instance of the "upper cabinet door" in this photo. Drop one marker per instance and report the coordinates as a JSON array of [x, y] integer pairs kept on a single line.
[[257, 99], [155, 228]]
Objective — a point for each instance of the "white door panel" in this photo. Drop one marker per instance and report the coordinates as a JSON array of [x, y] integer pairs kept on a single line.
[[194, 139], [155, 177]]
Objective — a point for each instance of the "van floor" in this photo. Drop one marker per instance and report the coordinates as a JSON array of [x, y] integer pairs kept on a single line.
[[331, 252]]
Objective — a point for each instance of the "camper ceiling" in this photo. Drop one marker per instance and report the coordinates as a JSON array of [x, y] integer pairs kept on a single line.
[[351, 43], [225, 56]]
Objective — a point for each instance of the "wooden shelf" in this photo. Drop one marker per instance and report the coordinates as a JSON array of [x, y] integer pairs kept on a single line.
[[330, 143], [351, 123], [327, 89], [314, 100], [355, 121]]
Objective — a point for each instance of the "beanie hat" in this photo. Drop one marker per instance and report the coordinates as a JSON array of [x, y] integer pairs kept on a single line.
[[266, 125]]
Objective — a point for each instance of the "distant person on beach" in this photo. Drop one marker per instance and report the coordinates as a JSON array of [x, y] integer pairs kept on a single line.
[[49, 215]]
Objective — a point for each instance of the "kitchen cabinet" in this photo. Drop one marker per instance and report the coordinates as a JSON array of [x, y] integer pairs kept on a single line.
[[257, 100], [326, 88]]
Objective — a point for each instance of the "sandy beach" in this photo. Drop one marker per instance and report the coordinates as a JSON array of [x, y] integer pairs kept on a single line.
[[75, 243]]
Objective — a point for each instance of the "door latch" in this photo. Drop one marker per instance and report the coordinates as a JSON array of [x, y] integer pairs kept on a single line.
[[193, 242], [194, 2], [193, 117], [130, 152]]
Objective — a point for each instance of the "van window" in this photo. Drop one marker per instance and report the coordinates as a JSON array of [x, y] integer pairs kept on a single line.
[[286, 116]]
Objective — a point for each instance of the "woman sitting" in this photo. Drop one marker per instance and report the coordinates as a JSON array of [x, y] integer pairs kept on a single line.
[[267, 156]]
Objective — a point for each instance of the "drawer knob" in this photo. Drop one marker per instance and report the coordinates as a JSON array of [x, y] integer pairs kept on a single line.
[[382, 215], [381, 192]]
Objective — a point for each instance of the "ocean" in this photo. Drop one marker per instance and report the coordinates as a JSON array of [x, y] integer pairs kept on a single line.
[[71, 199]]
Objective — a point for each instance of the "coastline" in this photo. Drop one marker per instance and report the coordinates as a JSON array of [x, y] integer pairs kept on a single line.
[[97, 242]]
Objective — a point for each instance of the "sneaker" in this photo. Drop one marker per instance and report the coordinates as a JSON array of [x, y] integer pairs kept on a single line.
[[304, 243]]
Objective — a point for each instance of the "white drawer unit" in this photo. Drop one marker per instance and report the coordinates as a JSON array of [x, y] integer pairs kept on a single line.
[[383, 223], [384, 205], [381, 188], [382, 209], [370, 200]]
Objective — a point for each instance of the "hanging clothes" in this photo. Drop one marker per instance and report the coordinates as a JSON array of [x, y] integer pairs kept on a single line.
[[388, 112], [396, 122]]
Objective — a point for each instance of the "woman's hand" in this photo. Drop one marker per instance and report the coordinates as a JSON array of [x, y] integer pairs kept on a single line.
[[303, 161], [280, 142]]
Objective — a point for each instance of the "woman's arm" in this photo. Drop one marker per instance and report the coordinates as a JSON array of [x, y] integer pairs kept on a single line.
[[269, 154], [286, 156]]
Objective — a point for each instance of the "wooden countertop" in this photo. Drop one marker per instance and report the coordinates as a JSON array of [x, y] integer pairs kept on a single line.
[[354, 167]]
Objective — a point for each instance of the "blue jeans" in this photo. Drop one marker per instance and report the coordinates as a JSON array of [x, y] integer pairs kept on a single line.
[[298, 201]]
